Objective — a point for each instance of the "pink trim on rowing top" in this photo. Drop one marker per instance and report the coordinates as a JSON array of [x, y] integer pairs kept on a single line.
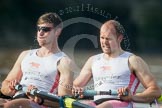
[[56, 82], [133, 81]]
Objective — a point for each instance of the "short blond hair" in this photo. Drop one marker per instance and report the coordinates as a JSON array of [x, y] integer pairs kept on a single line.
[[50, 18], [119, 29]]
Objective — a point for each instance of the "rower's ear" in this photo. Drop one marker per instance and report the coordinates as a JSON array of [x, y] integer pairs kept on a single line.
[[58, 32], [120, 38]]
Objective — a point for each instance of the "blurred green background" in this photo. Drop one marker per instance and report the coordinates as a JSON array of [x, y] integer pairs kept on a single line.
[[142, 20]]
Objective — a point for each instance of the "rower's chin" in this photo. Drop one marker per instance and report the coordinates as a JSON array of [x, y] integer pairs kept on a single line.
[[41, 42], [106, 50]]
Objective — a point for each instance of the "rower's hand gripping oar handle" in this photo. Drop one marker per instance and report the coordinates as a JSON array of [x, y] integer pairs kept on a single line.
[[20, 87], [93, 93]]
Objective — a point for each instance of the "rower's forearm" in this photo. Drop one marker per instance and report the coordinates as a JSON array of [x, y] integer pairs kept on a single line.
[[146, 96], [6, 90], [139, 99], [79, 83]]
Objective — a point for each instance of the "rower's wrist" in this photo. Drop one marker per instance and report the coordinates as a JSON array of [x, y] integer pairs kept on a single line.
[[131, 98]]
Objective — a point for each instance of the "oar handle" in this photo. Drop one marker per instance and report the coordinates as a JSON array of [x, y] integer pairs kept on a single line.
[[36, 92], [93, 93], [25, 89], [50, 96]]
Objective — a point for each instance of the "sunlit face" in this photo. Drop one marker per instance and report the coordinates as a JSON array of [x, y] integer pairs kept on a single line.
[[45, 34], [108, 40]]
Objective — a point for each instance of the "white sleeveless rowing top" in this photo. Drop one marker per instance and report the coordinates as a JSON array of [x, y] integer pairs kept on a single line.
[[112, 74], [41, 71]]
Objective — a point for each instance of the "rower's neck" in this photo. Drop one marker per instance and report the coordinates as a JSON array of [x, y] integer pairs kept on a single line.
[[113, 55], [43, 52]]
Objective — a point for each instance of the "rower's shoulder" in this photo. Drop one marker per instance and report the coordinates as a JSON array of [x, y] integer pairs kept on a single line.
[[65, 60], [96, 57], [66, 63], [138, 64], [134, 58], [24, 53], [93, 58]]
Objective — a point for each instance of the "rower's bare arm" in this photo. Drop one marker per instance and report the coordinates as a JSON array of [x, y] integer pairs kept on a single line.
[[85, 74], [65, 68], [14, 74], [142, 71]]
